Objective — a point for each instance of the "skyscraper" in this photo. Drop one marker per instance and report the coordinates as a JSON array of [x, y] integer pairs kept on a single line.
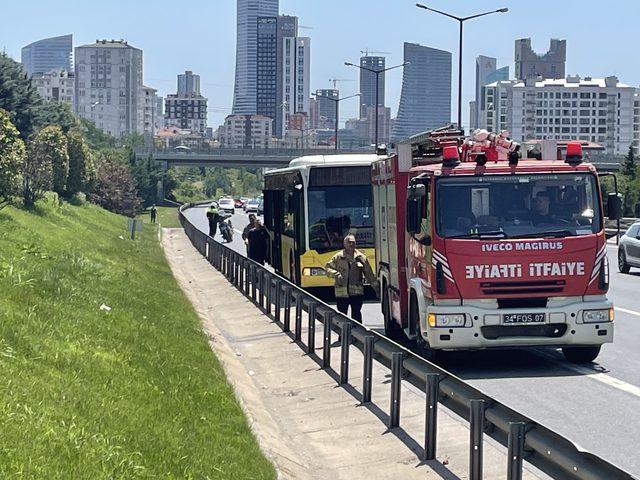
[[189, 83], [425, 99], [296, 53], [109, 86], [47, 55], [326, 107], [530, 64], [368, 83], [245, 89], [287, 28], [486, 72]]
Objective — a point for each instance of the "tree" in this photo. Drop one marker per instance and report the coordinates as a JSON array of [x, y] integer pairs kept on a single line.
[[55, 147], [37, 169], [114, 188], [81, 167], [18, 96], [55, 113], [629, 167], [97, 139], [11, 158]]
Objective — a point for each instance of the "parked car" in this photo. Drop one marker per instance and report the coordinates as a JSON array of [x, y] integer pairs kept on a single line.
[[227, 205], [252, 205], [629, 249]]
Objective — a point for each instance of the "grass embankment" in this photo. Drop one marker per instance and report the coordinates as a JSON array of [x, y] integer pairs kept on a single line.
[[168, 217], [134, 392]]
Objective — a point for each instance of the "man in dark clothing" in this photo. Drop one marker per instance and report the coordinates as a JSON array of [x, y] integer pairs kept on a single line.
[[541, 214], [258, 243], [153, 212], [214, 217], [247, 229]]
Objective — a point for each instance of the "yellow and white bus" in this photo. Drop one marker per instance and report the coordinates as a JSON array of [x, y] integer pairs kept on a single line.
[[309, 208]]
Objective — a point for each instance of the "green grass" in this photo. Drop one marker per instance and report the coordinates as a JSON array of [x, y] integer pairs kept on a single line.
[[131, 393], [168, 217]]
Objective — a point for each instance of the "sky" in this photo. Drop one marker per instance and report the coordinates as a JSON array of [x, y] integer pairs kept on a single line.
[[200, 35]]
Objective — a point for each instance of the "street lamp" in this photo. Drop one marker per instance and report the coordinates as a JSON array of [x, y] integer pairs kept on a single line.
[[377, 72], [461, 20], [337, 100]]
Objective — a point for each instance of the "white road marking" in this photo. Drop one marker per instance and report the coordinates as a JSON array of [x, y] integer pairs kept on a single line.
[[624, 310], [590, 373]]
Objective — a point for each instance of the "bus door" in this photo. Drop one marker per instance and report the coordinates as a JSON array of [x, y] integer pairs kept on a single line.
[[277, 201]]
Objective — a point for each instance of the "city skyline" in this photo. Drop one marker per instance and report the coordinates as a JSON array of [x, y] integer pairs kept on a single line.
[[214, 55]]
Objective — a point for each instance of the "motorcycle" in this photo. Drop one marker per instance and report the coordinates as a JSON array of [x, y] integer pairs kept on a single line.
[[226, 229]]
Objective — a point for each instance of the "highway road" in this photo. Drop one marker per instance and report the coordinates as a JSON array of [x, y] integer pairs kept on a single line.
[[597, 405]]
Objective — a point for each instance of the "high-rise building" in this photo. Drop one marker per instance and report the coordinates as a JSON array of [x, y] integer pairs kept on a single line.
[[384, 122], [55, 86], [368, 83], [245, 89], [158, 121], [530, 64], [486, 72], [187, 109], [147, 109], [48, 55], [597, 110], [109, 85], [296, 59], [425, 99], [270, 84], [188, 82], [327, 107]]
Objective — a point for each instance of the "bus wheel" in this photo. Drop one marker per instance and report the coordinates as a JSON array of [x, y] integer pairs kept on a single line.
[[391, 328], [581, 354], [423, 348]]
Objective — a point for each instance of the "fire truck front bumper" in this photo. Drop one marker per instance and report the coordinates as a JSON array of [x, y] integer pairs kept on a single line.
[[582, 322]]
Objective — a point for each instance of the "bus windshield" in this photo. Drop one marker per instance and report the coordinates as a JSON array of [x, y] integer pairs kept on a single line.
[[335, 211], [518, 206]]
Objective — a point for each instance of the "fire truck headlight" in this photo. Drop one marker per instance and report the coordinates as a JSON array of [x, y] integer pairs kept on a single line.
[[313, 272], [598, 316], [450, 320]]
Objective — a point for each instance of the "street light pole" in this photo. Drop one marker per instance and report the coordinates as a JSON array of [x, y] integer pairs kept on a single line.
[[377, 72], [461, 21], [337, 102]]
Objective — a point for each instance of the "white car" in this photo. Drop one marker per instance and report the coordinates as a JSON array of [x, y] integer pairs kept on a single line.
[[227, 205], [629, 249], [252, 205]]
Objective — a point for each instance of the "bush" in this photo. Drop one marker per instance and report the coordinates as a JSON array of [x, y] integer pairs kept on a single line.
[[78, 199], [114, 188]]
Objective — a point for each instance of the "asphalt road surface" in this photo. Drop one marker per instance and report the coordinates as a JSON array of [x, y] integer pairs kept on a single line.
[[597, 405]]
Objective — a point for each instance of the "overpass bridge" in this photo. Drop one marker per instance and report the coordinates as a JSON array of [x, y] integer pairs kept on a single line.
[[235, 157]]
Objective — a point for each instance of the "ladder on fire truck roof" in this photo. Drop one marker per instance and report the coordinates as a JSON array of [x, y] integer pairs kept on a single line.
[[427, 146]]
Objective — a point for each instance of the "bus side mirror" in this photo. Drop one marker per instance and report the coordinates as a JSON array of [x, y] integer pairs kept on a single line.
[[414, 208], [614, 206]]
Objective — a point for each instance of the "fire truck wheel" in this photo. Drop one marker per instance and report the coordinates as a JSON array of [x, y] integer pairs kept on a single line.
[[623, 266], [391, 328], [423, 348], [581, 354]]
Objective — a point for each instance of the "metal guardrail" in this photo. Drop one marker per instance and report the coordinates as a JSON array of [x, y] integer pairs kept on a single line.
[[524, 438]]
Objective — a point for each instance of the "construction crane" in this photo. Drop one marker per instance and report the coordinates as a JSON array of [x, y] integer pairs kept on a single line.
[[336, 80], [366, 52]]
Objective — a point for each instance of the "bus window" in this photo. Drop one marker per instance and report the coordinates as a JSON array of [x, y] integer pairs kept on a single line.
[[335, 211]]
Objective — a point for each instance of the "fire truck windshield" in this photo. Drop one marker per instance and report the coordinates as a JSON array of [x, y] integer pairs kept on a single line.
[[335, 211], [517, 206]]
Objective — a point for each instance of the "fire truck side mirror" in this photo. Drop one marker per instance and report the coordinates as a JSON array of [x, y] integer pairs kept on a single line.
[[614, 206]]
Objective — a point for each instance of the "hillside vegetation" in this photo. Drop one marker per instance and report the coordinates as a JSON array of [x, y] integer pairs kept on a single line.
[[105, 370]]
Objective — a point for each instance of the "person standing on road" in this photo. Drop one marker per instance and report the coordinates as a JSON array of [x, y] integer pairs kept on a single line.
[[247, 229], [258, 238], [349, 268], [214, 217], [153, 212]]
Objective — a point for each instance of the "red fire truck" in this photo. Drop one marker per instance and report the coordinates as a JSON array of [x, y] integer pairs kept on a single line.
[[478, 248]]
